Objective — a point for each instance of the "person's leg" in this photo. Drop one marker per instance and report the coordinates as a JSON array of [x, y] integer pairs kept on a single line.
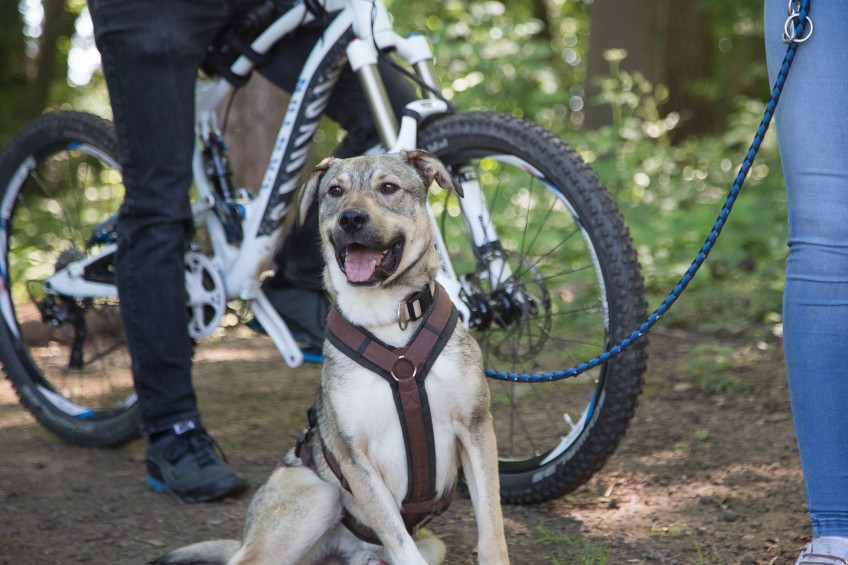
[[151, 52], [150, 58], [812, 127]]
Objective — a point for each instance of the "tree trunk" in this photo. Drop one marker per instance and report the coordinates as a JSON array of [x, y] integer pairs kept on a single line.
[[689, 52], [634, 25], [541, 13], [551, 33], [52, 62], [13, 81]]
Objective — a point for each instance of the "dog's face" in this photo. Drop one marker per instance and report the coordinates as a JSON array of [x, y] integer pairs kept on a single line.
[[373, 218]]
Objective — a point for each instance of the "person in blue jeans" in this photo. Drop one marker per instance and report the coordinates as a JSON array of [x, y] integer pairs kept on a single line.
[[151, 52], [812, 130]]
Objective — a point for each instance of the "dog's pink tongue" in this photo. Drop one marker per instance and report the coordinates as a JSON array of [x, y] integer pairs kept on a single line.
[[360, 263]]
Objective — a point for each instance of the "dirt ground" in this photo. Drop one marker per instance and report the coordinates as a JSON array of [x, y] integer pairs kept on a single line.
[[708, 472]]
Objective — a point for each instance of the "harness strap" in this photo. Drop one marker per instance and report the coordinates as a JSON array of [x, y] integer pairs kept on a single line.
[[414, 307], [404, 369], [414, 514]]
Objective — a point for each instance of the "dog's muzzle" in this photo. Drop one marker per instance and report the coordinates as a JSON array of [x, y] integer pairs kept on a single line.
[[360, 254]]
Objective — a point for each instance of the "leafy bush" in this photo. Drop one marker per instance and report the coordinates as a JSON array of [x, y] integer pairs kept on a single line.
[[671, 195]]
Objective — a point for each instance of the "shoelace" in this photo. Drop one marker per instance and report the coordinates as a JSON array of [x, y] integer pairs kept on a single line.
[[200, 444]]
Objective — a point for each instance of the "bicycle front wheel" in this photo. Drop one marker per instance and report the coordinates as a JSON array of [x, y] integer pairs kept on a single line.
[[559, 286], [64, 354]]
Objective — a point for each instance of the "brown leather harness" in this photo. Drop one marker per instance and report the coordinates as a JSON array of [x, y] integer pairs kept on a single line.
[[405, 369]]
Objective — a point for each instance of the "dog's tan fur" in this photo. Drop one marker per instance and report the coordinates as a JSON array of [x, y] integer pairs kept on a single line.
[[295, 517]]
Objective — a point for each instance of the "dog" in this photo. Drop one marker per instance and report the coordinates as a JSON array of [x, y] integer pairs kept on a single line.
[[341, 496]]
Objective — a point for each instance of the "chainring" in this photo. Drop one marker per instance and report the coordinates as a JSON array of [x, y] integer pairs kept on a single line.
[[206, 299]]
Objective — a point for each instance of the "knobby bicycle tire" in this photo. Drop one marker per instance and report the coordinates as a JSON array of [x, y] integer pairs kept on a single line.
[[549, 470], [65, 358], [575, 288]]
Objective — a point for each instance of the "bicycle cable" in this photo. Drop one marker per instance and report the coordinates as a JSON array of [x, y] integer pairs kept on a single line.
[[415, 78], [793, 35], [381, 55]]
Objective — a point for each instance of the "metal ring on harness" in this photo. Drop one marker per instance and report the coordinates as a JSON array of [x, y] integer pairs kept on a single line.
[[405, 365]]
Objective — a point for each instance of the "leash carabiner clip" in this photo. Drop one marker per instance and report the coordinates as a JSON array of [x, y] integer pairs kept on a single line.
[[790, 26]]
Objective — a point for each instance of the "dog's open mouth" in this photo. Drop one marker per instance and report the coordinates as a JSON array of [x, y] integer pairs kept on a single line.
[[364, 265]]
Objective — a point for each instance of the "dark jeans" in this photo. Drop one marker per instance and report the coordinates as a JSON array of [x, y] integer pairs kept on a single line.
[[151, 51]]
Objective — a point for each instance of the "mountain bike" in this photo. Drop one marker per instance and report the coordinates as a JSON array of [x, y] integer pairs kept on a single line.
[[536, 256]]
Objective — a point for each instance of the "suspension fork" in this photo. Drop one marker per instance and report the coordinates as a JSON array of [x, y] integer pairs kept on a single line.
[[487, 249], [487, 246], [484, 238]]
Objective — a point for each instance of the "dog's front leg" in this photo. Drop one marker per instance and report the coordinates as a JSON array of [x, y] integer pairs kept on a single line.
[[380, 510], [479, 457]]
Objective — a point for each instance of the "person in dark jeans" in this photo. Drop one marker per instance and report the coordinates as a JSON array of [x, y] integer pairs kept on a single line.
[[151, 52]]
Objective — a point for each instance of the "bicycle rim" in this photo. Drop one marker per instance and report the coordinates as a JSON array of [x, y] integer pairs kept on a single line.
[[72, 360], [560, 304]]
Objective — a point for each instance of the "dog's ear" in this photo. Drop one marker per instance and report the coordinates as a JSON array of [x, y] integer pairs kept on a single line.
[[310, 189], [431, 169]]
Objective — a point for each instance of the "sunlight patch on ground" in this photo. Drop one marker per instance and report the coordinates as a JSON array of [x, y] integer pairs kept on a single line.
[[234, 353], [712, 505]]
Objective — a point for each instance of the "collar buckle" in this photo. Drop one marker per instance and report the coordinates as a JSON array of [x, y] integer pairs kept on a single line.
[[415, 306]]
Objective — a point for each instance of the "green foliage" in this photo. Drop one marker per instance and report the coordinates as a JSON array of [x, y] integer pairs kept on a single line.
[[500, 56], [527, 58], [37, 43], [671, 195], [570, 549]]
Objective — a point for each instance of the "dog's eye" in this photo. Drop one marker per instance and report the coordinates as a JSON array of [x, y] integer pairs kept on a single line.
[[389, 187], [335, 190]]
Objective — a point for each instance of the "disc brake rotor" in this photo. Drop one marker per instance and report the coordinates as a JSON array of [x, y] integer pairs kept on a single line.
[[515, 314]]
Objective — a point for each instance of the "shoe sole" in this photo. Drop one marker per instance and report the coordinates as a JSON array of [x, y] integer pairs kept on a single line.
[[158, 486]]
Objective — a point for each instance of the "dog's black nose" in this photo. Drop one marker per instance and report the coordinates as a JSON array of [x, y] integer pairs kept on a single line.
[[352, 220]]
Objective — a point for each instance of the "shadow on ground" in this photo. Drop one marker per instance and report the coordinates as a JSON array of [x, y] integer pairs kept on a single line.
[[706, 474]]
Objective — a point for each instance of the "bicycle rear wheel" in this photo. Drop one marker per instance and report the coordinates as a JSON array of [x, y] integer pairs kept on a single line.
[[573, 288], [65, 356]]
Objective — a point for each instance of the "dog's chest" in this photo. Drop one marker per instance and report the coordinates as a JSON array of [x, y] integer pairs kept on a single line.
[[368, 414]]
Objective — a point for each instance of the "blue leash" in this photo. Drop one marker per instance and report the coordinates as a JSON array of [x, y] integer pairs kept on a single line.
[[794, 34]]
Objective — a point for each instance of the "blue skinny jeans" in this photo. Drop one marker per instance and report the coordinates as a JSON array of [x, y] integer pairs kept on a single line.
[[812, 128]]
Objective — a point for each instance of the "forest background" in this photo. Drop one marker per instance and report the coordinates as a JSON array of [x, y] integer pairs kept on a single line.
[[660, 97]]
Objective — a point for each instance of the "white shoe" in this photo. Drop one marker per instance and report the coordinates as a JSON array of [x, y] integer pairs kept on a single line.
[[825, 551]]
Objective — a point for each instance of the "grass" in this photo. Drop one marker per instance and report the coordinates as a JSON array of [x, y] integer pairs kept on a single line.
[[570, 549]]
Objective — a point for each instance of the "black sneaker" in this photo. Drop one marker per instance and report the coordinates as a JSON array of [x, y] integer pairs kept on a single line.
[[189, 464]]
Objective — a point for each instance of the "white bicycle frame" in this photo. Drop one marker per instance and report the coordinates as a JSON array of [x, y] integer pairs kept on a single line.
[[240, 265]]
